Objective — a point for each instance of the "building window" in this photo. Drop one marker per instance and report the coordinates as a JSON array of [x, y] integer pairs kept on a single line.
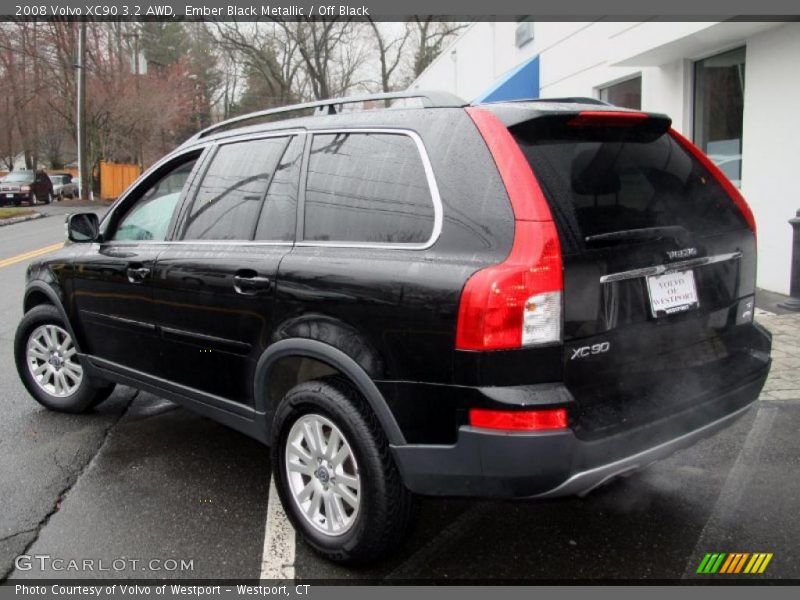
[[524, 33], [627, 94], [719, 110]]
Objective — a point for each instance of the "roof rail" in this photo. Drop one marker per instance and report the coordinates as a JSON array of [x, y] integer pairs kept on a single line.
[[570, 100], [431, 99]]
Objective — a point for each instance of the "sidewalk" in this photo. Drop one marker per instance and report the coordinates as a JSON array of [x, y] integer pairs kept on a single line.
[[784, 378]]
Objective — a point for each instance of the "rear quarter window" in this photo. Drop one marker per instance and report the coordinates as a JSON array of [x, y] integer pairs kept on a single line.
[[367, 187]]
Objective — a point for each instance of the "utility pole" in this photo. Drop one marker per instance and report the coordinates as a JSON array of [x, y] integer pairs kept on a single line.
[[36, 88], [81, 117], [135, 36]]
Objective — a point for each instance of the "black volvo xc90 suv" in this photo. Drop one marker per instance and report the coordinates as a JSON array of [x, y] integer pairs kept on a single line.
[[515, 300]]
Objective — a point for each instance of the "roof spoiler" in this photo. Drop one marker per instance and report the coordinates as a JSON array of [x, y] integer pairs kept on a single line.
[[592, 123]]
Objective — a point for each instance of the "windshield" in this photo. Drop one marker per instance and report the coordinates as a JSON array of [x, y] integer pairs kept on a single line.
[[57, 179], [16, 177]]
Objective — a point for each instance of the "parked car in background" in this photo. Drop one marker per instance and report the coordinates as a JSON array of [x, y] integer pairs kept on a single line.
[[64, 186], [26, 186]]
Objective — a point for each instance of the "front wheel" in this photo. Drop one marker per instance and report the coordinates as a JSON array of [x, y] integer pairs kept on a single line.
[[48, 364], [335, 474]]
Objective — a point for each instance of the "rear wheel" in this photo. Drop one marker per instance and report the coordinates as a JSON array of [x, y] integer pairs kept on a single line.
[[335, 474], [49, 366]]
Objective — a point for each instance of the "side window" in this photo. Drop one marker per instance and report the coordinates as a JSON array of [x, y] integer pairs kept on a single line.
[[150, 215], [278, 215], [367, 187], [229, 197]]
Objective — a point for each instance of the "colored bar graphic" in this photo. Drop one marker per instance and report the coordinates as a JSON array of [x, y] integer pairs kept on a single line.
[[741, 562], [727, 564], [755, 562], [764, 564], [703, 563], [734, 562], [718, 563], [730, 564]]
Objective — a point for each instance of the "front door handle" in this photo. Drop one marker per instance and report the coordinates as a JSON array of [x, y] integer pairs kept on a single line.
[[248, 284], [137, 274]]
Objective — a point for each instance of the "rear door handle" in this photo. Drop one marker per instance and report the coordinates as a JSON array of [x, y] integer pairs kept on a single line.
[[249, 285], [137, 274]]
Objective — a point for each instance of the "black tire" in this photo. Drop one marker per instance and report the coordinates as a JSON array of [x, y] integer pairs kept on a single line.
[[386, 507], [89, 393]]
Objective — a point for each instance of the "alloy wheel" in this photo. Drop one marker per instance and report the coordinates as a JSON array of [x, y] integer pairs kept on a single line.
[[323, 476], [53, 361]]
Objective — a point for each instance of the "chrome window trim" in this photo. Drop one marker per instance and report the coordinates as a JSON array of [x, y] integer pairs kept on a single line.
[[433, 188], [669, 268], [196, 242], [235, 136]]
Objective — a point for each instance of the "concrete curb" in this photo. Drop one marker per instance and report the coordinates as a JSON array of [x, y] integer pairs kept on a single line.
[[14, 220]]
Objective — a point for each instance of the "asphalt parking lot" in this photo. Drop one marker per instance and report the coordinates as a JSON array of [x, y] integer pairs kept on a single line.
[[142, 479]]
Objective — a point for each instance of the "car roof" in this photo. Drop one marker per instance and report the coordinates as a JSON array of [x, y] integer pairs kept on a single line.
[[333, 112]]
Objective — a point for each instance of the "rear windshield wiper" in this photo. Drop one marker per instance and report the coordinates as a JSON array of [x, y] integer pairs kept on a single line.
[[639, 235]]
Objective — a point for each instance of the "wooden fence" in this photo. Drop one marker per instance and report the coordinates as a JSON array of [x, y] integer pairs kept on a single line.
[[115, 178]]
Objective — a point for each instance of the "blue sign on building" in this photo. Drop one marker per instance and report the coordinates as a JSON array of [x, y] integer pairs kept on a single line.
[[520, 83]]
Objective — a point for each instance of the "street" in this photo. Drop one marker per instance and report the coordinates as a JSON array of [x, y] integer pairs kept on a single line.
[[140, 478]]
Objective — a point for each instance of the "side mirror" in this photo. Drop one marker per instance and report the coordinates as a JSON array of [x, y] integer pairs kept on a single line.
[[83, 227]]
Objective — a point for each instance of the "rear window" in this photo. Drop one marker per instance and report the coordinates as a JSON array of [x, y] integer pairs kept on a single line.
[[18, 177], [367, 187], [611, 180]]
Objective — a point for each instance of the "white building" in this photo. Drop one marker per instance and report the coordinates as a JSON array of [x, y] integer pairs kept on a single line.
[[732, 87]]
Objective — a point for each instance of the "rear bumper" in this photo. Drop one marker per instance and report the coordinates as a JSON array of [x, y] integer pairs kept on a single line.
[[15, 197], [485, 463]]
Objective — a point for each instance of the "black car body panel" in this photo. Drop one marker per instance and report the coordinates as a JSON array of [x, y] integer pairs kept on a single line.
[[211, 323]]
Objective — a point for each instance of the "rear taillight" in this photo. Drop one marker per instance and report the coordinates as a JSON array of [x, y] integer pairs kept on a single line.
[[607, 118], [521, 420], [517, 302], [730, 189]]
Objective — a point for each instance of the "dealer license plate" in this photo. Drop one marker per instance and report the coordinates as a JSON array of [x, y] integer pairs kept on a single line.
[[672, 293]]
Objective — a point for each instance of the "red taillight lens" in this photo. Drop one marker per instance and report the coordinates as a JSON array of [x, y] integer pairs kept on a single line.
[[523, 189], [525, 420], [730, 189], [517, 302], [607, 118]]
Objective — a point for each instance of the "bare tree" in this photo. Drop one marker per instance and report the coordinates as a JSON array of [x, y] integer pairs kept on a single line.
[[330, 55], [390, 52], [258, 49], [432, 35]]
